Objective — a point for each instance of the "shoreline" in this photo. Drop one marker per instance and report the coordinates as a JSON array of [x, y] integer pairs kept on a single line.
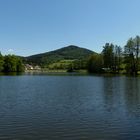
[[65, 73]]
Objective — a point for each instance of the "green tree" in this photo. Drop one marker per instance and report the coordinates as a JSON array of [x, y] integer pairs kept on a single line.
[[1, 62], [12, 64], [112, 55], [137, 50], [95, 64], [117, 58], [131, 51], [108, 55], [20, 66]]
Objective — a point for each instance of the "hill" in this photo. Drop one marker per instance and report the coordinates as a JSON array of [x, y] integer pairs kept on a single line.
[[66, 53]]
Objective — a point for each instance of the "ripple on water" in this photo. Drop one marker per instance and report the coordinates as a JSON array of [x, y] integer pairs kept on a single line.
[[69, 108]]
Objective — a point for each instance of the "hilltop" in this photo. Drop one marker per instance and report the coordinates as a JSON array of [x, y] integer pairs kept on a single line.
[[66, 53]]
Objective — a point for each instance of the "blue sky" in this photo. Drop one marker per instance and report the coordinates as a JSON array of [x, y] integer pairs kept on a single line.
[[34, 26]]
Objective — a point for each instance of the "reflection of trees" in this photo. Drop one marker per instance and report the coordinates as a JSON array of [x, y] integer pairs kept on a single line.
[[132, 94], [110, 94], [122, 93], [8, 98]]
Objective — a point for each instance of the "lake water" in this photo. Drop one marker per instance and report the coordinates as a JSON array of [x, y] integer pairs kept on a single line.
[[69, 108]]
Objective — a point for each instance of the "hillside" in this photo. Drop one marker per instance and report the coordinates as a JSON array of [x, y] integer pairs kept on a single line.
[[67, 53]]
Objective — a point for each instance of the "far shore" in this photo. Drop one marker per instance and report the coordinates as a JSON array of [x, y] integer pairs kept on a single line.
[[64, 72]]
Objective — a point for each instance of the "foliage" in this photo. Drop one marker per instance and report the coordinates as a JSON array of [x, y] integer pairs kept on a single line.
[[132, 49], [1, 62], [117, 58], [68, 64], [112, 57], [12, 63], [108, 55], [95, 64]]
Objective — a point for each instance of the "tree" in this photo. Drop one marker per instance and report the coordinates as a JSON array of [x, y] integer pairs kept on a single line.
[[112, 57], [108, 55], [20, 66], [131, 51], [137, 50], [117, 58], [1, 62], [95, 64], [12, 64]]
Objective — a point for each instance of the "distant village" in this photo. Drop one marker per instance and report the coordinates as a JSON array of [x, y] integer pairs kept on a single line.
[[29, 67]]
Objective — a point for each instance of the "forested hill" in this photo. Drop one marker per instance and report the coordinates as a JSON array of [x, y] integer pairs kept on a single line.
[[67, 53]]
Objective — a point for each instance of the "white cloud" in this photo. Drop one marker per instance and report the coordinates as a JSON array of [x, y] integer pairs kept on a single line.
[[10, 50]]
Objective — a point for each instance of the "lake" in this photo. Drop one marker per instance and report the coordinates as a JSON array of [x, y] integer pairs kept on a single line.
[[47, 107]]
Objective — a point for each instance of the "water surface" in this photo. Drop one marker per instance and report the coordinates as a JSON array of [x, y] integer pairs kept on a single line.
[[69, 107]]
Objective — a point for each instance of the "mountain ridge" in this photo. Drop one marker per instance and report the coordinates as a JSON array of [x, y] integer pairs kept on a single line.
[[70, 52]]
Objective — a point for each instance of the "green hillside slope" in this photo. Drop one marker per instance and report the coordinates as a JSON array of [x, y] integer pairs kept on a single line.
[[67, 53]]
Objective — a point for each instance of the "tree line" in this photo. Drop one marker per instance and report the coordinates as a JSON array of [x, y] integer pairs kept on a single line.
[[115, 59], [11, 63], [112, 59]]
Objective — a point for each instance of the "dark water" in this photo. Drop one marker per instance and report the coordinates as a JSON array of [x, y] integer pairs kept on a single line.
[[69, 108]]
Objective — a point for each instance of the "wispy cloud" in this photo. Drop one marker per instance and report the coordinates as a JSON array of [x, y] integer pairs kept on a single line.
[[10, 51]]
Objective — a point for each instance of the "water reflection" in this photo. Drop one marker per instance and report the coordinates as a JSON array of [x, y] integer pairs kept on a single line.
[[112, 92], [9, 99], [122, 93], [11, 73], [132, 94], [69, 107]]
